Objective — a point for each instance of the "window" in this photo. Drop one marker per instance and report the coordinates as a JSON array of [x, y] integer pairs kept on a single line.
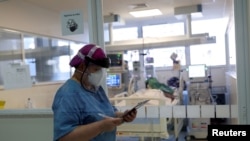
[[231, 44], [46, 58], [120, 34], [209, 54], [49, 58], [163, 30], [162, 56], [131, 56], [10, 50]]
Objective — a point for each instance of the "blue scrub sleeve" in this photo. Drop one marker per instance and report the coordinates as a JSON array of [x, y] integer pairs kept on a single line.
[[115, 109]]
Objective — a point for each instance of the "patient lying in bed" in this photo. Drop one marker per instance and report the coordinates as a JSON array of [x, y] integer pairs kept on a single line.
[[153, 83]]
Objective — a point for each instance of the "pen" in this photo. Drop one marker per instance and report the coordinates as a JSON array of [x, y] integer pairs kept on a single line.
[[105, 116]]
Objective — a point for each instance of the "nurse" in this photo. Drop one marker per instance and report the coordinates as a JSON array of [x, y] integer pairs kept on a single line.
[[80, 103]]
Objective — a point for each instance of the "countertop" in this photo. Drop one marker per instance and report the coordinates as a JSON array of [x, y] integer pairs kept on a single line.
[[26, 113]]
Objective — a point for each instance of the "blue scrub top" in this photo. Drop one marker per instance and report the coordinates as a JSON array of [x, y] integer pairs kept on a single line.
[[73, 106]]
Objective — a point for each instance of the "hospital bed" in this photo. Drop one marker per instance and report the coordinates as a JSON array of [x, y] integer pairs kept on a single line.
[[149, 122]]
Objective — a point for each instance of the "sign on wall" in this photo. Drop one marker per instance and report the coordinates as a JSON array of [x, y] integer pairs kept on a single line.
[[16, 76], [72, 22]]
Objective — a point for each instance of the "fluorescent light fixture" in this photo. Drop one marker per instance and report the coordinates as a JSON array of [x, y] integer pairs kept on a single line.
[[146, 13], [9, 30], [137, 6]]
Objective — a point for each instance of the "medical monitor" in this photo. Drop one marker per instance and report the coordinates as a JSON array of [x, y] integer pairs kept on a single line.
[[116, 63], [114, 80], [116, 59], [197, 71]]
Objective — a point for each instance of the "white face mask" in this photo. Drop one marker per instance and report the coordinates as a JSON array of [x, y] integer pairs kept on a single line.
[[96, 78]]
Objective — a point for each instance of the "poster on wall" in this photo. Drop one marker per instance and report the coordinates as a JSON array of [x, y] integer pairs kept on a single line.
[[72, 22], [16, 76]]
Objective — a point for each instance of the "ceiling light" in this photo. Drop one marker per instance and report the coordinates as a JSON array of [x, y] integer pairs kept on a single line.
[[146, 13], [9, 30], [137, 6]]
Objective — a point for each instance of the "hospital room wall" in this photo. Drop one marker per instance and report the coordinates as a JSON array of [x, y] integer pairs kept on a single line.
[[30, 18], [41, 96], [26, 17]]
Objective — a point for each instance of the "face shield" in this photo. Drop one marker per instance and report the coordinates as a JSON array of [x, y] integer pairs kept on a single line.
[[105, 62]]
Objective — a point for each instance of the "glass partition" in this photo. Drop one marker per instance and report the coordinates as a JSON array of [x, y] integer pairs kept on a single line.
[[162, 56], [209, 54], [10, 49], [48, 58], [164, 30]]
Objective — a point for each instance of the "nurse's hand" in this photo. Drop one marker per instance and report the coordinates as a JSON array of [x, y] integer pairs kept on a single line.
[[129, 117], [110, 123]]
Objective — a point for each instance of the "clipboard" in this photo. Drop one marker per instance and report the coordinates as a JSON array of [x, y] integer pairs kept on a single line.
[[137, 106]]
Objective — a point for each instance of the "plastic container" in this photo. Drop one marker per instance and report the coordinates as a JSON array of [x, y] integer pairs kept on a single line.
[[2, 104], [29, 104]]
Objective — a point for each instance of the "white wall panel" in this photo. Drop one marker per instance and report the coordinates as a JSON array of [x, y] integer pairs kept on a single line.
[[22, 16]]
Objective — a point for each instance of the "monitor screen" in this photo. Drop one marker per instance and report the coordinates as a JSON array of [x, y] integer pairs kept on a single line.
[[113, 80], [116, 59], [197, 71]]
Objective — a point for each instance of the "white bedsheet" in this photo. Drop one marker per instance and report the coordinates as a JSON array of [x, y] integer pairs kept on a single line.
[[150, 127], [147, 94]]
